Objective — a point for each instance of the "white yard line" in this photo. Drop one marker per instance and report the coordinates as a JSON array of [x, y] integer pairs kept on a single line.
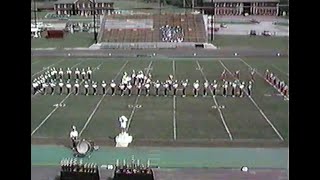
[[98, 104], [48, 67], [35, 62], [256, 105], [50, 114], [32, 96], [208, 58], [216, 103], [285, 97], [174, 104], [136, 101], [276, 67]]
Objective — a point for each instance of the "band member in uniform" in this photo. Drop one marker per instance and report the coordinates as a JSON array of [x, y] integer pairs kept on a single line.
[[35, 87], [241, 88], [234, 88], [282, 85], [145, 78], [61, 86], [184, 87], [77, 73], [196, 88], [133, 77], [52, 85], [39, 87], [54, 73], [270, 78], [165, 88], [68, 85], [230, 89], [129, 87], [139, 86], [89, 73], [169, 81], [147, 87], [175, 87], [86, 88], [223, 75], [48, 75], [123, 123], [76, 88], [285, 90], [252, 73], [275, 81], [121, 87], [74, 137], [45, 88], [279, 84], [249, 88], [69, 72], [42, 81], [83, 74], [61, 73], [157, 86], [94, 87], [45, 77], [148, 80], [237, 74], [225, 89], [214, 88], [113, 87], [127, 80], [104, 85], [140, 77], [205, 88]]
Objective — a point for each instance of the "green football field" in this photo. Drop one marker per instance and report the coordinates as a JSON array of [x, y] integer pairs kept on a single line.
[[261, 117]]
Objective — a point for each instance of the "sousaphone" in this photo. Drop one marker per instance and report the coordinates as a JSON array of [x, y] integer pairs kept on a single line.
[[85, 147]]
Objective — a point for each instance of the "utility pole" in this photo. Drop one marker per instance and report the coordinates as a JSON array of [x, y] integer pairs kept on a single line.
[[35, 13], [94, 22], [212, 28], [160, 6]]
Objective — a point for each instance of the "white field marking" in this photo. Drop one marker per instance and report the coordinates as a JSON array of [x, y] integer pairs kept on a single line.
[[32, 96], [216, 103], [48, 67], [101, 99], [137, 106], [50, 114], [207, 58], [35, 62], [136, 101], [276, 67], [174, 104], [285, 97], [255, 104]]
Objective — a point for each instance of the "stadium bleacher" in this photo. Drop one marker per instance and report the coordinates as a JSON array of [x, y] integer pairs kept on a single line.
[[147, 28]]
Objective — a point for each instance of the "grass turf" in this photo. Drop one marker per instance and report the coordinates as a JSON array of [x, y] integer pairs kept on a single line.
[[256, 42], [81, 39], [195, 118]]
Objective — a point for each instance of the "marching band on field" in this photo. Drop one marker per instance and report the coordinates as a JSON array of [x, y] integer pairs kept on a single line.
[[80, 82], [280, 85]]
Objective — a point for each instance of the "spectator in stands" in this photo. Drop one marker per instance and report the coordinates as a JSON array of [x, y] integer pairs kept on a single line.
[[171, 34]]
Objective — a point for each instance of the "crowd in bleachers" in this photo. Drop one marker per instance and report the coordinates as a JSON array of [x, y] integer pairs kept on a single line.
[[171, 34]]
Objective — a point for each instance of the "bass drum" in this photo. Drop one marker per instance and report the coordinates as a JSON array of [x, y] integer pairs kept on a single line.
[[83, 147]]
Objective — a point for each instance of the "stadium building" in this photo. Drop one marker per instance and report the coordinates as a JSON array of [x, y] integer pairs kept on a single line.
[[239, 7], [83, 7]]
